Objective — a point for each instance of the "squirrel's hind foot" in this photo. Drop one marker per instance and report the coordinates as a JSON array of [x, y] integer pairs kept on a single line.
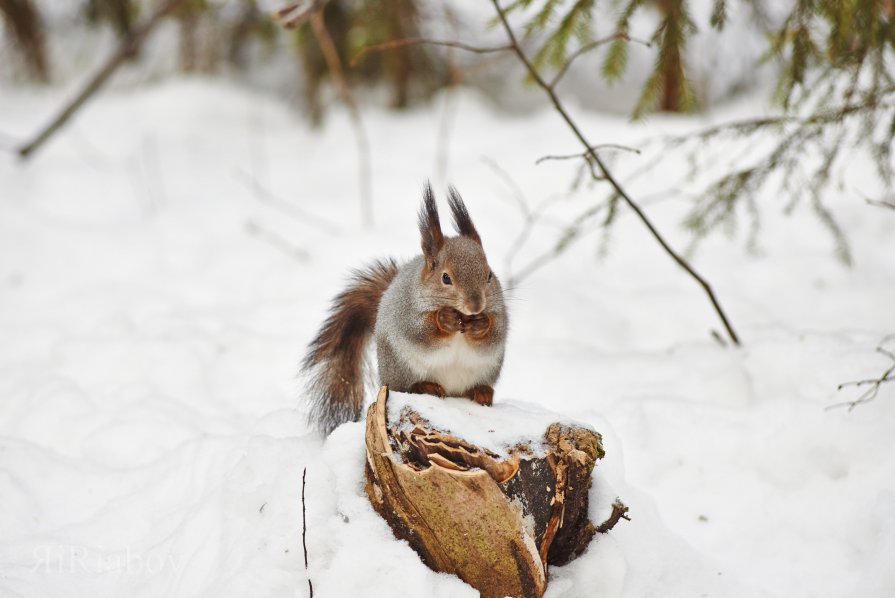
[[483, 395], [428, 388]]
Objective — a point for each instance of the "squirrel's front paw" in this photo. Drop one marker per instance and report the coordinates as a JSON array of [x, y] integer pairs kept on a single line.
[[449, 320], [477, 326], [428, 388]]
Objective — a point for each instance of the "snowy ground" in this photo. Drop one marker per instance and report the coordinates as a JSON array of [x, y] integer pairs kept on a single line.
[[164, 262]]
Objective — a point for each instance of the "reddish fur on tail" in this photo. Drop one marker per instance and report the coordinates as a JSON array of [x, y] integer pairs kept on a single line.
[[335, 356]]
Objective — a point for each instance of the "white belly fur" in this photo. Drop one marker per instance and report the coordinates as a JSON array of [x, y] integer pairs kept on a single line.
[[456, 366]]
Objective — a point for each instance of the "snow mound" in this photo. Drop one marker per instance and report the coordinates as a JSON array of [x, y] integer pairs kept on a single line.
[[495, 428]]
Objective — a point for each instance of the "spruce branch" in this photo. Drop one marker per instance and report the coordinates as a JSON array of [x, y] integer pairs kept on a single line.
[[719, 14], [621, 38], [597, 163]]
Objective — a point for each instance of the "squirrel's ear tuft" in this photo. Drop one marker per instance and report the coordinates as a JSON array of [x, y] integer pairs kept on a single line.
[[462, 221], [432, 239]]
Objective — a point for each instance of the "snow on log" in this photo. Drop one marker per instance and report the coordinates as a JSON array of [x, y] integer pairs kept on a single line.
[[491, 494]]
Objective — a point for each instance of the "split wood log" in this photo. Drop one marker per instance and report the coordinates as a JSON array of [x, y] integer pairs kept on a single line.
[[494, 513]]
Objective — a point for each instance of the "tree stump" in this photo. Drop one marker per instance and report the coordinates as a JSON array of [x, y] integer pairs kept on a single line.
[[494, 506]]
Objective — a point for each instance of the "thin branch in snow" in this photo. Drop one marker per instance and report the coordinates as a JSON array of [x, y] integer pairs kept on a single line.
[[880, 203], [570, 235], [874, 384], [277, 242], [265, 195], [530, 219], [619, 512], [304, 530]]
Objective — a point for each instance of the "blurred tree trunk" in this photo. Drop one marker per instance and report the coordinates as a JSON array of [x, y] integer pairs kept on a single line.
[[121, 13], [672, 67], [401, 19], [311, 57], [24, 23], [189, 17], [248, 24]]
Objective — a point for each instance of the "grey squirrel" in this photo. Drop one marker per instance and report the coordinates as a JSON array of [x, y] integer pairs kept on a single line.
[[439, 323]]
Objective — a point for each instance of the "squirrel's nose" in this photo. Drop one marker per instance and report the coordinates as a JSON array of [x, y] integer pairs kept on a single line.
[[475, 304]]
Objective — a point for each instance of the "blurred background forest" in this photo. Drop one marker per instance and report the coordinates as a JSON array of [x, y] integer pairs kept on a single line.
[[825, 65], [184, 185]]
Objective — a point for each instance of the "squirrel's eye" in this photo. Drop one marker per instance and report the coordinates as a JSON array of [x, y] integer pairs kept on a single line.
[[490, 276], [446, 279]]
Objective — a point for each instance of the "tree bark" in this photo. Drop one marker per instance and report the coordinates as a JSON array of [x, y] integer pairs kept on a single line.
[[496, 520]]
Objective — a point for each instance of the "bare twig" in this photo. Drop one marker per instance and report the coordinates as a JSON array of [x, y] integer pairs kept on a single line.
[[265, 195], [304, 530], [586, 154], [880, 203], [570, 235], [604, 171], [334, 64], [418, 41], [619, 512], [874, 383], [531, 217], [277, 242], [588, 47], [128, 46]]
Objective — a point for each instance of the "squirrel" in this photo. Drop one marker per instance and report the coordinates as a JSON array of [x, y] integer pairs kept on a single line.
[[438, 321]]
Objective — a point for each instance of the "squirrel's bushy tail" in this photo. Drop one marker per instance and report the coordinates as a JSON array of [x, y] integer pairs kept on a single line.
[[334, 362]]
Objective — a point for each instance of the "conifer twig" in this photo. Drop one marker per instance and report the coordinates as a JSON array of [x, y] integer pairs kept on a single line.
[[266, 196], [595, 160]]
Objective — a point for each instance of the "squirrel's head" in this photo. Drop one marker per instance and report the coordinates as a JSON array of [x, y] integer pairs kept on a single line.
[[456, 271]]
